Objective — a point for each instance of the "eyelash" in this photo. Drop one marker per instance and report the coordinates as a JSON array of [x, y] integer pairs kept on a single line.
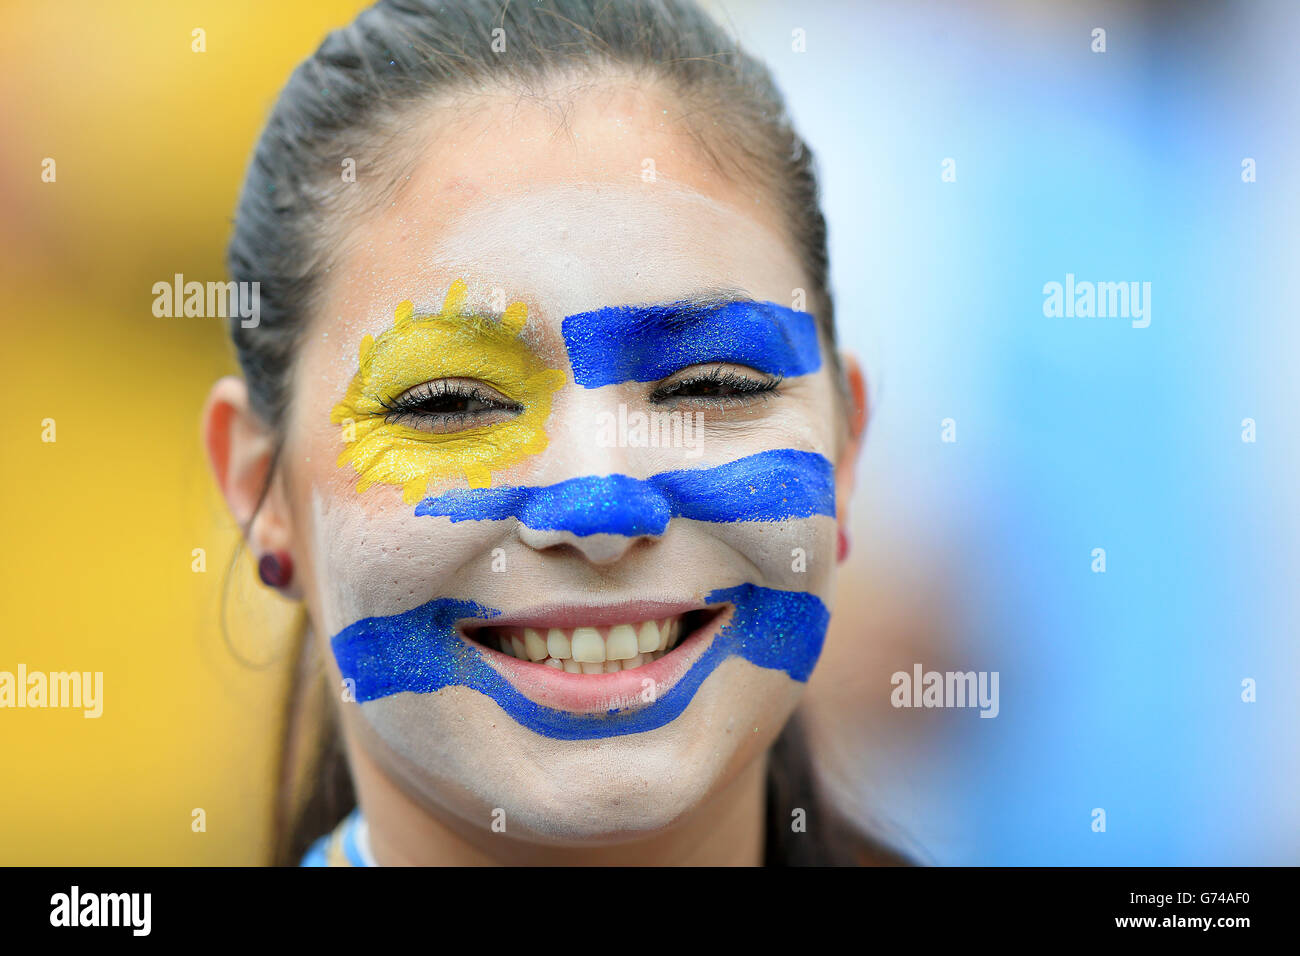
[[411, 406], [744, 387]]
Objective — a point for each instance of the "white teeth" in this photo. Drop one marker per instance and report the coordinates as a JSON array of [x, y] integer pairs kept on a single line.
[[588, 648], [557, 644], [621, 643], [647, 639]]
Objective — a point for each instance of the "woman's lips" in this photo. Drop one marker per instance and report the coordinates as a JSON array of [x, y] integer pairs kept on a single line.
[[596, 659]]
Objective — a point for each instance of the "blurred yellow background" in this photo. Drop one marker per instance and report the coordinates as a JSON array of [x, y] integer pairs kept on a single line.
[[149, 140]]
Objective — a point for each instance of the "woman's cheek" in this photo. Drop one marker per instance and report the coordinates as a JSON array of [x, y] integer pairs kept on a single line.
[[788, 555], [375, 557]]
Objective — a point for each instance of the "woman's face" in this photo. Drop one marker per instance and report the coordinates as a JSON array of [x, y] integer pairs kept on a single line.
[[594, 310]]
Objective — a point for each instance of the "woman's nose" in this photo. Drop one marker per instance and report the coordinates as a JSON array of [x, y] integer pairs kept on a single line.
[[601, 517]]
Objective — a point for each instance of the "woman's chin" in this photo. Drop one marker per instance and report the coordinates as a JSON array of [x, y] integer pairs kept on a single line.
[[577, 792]]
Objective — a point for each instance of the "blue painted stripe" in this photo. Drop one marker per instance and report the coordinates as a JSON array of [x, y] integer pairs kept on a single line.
[[630, 343], [769, 486], [419, 651]]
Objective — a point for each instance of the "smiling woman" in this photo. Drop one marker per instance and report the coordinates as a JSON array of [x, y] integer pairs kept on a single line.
[[538, 645]]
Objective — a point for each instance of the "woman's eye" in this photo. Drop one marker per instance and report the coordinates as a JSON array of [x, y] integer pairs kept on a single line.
[[718, 385], [450, 405]]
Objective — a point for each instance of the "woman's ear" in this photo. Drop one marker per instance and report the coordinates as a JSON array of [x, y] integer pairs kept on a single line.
[[241, 450], [846, 467]]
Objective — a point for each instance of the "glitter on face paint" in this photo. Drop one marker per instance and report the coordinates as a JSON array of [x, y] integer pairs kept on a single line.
[[646, 343], [768, 486], [419, 651]]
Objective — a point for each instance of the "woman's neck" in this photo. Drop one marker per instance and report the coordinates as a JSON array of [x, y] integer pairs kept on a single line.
[[726, 830]]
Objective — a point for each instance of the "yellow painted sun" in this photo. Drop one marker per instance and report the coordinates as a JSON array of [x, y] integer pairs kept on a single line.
[[420, 349]]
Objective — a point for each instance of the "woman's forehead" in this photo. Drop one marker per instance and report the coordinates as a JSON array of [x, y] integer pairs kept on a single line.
[[563, 249]]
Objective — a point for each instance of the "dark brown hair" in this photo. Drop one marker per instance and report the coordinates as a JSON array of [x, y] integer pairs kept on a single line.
[[354, 98]]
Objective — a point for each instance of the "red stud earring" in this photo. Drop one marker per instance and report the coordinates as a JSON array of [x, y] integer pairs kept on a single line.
[[275, 568], [842, 548]]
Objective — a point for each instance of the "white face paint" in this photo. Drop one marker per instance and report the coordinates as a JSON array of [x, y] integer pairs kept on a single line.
[[565, 227]]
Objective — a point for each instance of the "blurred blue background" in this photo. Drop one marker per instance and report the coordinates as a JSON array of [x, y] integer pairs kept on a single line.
[[1119, 690]]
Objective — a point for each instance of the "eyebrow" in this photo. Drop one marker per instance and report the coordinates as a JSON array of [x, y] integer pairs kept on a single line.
[[644, 343]]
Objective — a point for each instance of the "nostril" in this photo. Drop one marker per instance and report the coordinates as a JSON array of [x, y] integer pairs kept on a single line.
[[595, 548]]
